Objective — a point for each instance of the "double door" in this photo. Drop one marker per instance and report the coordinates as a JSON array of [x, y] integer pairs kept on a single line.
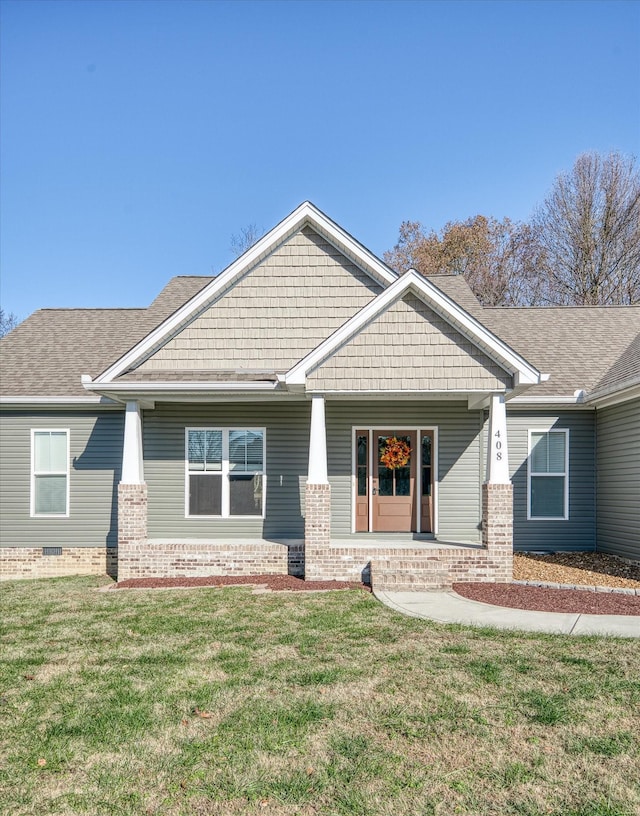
[[394, 480]]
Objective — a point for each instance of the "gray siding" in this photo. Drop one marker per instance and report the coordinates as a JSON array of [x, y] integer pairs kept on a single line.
[[618, 511], [94, 472], [408, 347], [578, 532], [459, 464], [287, 432], [287, 427]]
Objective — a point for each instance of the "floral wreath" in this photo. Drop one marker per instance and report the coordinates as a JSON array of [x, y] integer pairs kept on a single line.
[[395, 454]]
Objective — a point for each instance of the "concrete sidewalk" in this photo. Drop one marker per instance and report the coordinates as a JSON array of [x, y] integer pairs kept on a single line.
[[449, 607]]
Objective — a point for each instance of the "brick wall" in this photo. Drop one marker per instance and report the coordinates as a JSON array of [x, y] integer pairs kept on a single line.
[[29, 562], [398, 567], [200, 558], [317, 530], [497, 527]]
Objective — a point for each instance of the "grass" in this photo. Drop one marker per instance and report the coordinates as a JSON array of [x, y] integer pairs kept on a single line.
[[218, 701]]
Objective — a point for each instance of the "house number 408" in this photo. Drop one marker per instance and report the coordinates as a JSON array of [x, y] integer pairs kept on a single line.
[[497, 445]]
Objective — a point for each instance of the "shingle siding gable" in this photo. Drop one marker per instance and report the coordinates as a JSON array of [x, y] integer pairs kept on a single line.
[[408, 347], [275, 314]]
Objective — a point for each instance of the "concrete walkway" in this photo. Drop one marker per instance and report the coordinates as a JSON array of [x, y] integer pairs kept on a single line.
[[449, 607]]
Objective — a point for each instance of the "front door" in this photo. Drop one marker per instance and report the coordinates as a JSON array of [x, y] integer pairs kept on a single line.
[[394, 480], [393, 486]]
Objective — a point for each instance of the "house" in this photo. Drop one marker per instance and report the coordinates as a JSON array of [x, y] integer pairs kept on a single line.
[[308, 410]]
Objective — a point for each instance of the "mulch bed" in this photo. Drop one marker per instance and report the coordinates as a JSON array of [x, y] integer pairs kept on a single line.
[[275, 583], [578, 601], [585, 568]]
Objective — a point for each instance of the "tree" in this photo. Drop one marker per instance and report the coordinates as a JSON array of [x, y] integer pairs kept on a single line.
[[8, 322], [499, 259], [245, 239], [589, 230]]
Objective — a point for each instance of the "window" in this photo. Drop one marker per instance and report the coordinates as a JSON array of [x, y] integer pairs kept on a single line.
[[50, 472], [225, 472], [548, 493]]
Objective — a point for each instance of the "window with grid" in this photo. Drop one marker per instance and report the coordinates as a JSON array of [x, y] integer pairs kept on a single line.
[[225, 472], [49, 472], [548, 475]]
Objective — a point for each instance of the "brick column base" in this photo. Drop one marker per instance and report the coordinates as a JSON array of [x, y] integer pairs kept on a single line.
[[132, 526], [497, 528], [317, 531]]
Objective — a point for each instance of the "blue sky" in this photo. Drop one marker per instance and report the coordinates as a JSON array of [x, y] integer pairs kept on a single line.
[[138, 137]]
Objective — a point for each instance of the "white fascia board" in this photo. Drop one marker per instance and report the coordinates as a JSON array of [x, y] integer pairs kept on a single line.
[[306, 213], [613, 396], [159, 387], [57, 401], [455, 315], [537, 401], [470, 397]]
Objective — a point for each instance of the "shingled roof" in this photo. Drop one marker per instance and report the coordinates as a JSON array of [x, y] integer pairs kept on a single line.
[[576, 345], [46, 355], [591, 348]]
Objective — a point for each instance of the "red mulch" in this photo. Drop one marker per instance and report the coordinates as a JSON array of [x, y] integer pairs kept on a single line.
[[579, 601], [276, 583]]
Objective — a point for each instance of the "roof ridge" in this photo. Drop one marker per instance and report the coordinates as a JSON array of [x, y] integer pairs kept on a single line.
[[568, 306], [91, 309]]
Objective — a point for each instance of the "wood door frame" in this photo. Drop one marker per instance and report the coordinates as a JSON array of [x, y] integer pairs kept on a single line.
[[433, 429]]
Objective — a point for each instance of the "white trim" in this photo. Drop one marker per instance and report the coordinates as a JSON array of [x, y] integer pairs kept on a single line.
[[607, 397], [543, 400], [305, 214], [63, 401], [444, 306], [32, 498], [434, 469], [132, 456], [317, 472], [497, 464], [565, 475], [132, 385], [225, 471]]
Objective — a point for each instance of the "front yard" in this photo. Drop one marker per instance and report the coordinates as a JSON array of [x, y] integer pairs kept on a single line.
[[220, 701]]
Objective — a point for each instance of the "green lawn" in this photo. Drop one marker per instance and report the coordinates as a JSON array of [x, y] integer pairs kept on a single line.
[[220, 701]]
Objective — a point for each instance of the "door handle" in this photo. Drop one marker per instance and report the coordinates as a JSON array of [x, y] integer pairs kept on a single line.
[[374, 492]]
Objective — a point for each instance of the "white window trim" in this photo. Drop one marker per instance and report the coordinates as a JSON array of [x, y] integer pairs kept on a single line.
[[434, 469], [225, 492], [32, 500], [530, 474]]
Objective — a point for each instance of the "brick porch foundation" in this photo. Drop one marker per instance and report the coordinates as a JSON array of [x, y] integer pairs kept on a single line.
[[132, 528], [317, 532], [30, 562]]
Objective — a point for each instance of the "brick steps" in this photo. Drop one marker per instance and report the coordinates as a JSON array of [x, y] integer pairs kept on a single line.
[[410, 574]]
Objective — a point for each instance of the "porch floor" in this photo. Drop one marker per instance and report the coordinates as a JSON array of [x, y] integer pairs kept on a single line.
[[400, 541]]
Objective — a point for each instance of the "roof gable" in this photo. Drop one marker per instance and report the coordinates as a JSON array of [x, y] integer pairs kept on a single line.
[[305, 215], [277, 312], [453, 314], [408, 347]]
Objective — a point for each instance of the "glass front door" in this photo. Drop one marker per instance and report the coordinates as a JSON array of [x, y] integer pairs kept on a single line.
[[393, 481]]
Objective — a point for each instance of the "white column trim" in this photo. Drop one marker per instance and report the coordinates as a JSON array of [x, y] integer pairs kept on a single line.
[[132, 460], [317, 443], [497, 449]]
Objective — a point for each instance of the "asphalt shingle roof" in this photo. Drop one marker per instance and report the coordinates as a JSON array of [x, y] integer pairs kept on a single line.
[[46, 355], [580, 347]]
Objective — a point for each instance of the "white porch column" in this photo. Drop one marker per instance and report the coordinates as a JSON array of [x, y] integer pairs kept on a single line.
[[317, 443], [132, 461], [497, 451]]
